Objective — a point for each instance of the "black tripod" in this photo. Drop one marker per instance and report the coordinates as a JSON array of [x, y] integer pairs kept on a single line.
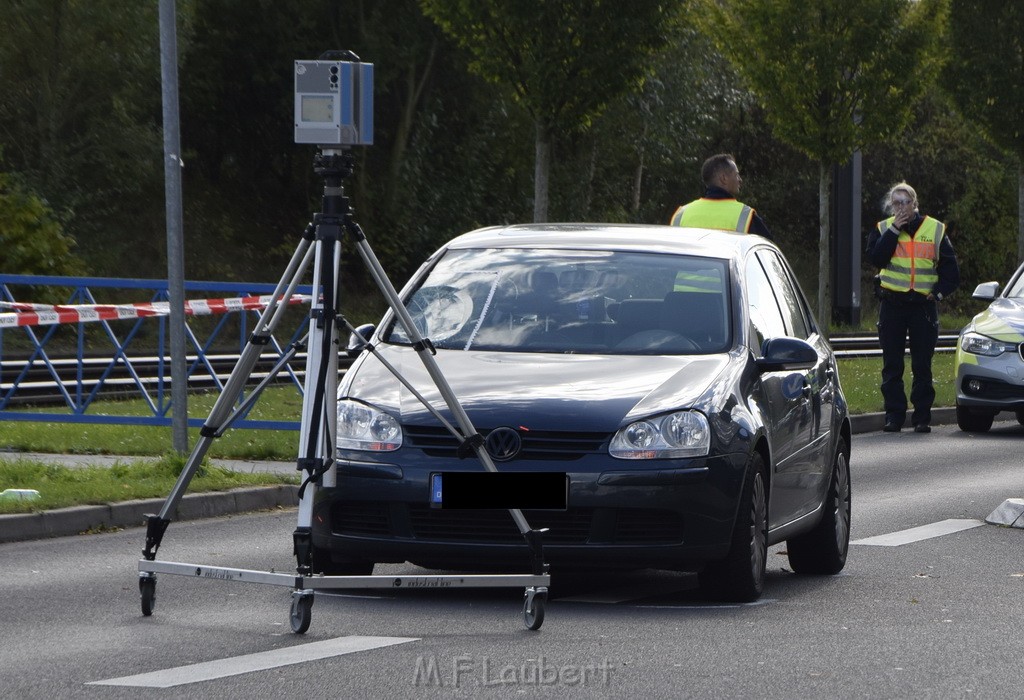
[[321, 241]]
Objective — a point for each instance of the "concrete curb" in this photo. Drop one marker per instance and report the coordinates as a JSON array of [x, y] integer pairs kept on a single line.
[[85, 519]]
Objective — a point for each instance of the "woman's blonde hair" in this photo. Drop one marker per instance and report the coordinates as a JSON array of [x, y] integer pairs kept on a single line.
[[898, 187]]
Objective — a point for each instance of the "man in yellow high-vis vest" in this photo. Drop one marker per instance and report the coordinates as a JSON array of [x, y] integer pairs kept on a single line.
[[918, 269], [719, 208]]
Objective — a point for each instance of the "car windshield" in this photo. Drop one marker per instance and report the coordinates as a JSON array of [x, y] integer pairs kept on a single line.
[[563, 301], [1017, 290]]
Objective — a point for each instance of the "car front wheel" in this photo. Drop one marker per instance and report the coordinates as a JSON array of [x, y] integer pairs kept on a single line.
[[739, 578], [972, 421], [823, 549]]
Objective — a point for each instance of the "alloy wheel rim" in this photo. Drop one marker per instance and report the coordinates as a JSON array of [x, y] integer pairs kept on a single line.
[[842, 501], [758, 536]]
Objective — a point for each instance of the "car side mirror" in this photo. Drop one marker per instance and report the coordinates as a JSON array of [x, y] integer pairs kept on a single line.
[[358, 340], [781, 354], [986, 291]]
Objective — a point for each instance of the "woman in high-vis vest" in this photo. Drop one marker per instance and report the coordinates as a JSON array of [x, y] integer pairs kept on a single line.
[[718, 208], [918, 269]]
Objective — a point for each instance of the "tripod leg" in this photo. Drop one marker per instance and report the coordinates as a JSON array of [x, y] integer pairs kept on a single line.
[[319, 417], [156, 525], [425, 353]]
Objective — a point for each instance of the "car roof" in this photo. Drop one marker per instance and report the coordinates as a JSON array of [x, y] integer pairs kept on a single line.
[[627, 237]]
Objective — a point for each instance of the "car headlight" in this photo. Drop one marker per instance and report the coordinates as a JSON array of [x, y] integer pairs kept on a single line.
[[680, 434], [363, 427], [978, 344]]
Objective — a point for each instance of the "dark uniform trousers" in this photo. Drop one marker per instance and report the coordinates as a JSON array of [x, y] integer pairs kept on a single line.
[[899, 317]]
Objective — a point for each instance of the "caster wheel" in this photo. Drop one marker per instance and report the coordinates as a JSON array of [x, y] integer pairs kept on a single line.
[[147, 590], [301, 613], [533, 609]]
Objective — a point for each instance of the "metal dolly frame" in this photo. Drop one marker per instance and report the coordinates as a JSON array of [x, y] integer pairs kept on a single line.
[[321, 243], [304, 586]]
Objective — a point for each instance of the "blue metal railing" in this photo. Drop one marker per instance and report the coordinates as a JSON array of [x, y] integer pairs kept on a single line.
[[79, 392]]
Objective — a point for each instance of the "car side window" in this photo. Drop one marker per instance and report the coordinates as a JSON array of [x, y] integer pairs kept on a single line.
[[765, 317], [787, 295]]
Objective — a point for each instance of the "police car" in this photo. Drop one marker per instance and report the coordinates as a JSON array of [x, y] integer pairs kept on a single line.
[[990, 358]]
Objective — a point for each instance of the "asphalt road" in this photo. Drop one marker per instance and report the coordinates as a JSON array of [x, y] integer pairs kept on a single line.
[[937, 617]]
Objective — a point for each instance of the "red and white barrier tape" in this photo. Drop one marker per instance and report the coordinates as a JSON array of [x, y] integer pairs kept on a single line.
[[27, 314]]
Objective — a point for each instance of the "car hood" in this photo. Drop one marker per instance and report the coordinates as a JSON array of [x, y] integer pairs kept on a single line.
[[1002, 320], [537, 391]]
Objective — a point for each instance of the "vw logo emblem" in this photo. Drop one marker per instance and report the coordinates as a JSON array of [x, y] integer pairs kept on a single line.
[[503, 444]]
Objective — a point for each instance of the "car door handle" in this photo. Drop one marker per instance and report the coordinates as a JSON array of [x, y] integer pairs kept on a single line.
[[806, 389]]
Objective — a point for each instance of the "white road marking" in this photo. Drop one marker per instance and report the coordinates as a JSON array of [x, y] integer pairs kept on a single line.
[[211, 670], [916, 534]]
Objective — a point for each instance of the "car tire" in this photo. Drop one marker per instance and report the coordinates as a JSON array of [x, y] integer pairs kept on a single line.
[[324, 563], [972, 421], [823, 549], [739, 578]]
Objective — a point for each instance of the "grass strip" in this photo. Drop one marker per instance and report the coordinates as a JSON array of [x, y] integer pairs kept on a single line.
[[61, 487]]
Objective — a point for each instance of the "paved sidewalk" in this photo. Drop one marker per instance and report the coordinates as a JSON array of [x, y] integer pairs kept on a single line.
[[84, 519]]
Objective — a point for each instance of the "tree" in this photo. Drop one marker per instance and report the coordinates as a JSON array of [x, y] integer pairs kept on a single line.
[[562, 60], [30, 234], [79, 103], [844, 75], [985, 76]]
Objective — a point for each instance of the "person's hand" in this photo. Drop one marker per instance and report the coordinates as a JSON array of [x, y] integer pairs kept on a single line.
[[901, 217]]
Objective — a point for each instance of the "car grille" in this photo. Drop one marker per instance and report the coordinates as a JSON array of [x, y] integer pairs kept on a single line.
[[537, 444], [576, 526], [361, 518]]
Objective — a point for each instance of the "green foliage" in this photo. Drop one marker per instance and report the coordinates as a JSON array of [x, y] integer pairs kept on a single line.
[[79, 85], [562, 60], [31, 238], [986, 73], [845, 75], [80, 123], [985, 76]]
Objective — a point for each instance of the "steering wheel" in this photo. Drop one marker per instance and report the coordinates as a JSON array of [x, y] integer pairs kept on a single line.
[[657, 339]]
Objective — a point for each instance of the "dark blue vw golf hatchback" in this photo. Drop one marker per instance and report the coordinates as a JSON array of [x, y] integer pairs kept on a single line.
[[676, 376]]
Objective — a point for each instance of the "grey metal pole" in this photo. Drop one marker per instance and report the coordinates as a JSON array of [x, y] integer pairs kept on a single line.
[[175, 236]]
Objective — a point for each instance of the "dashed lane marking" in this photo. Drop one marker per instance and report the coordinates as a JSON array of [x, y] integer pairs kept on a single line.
[[261, 661], [916, 534]]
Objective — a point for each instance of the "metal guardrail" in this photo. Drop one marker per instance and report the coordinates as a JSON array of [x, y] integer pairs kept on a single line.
[[81, 362], [847, 346]]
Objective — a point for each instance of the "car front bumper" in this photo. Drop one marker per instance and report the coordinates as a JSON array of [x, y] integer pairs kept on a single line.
[[673, 517], [990, 382]]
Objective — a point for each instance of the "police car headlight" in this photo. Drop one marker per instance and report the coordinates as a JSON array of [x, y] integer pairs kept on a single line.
[[680, 434], [363, 427], [978, 344]]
